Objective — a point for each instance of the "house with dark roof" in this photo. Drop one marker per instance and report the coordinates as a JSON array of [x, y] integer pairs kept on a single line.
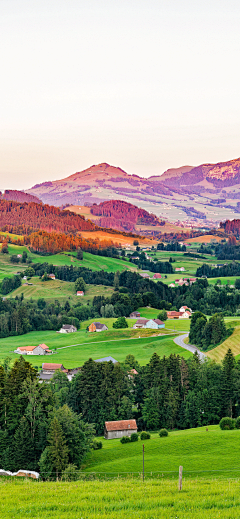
[[68, 328], [119, 428], [134, 315], [97, 327]]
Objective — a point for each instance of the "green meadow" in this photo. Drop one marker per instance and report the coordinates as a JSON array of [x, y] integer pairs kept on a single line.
[[200, 451], [157, 498], [74, 349]]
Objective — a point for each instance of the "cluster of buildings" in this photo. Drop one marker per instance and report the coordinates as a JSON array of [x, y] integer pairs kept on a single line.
[[184, 313], [183, 281]]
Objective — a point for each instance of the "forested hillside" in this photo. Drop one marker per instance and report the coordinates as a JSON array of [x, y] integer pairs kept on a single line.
[[122, 215], [19, 196], [24, 218]]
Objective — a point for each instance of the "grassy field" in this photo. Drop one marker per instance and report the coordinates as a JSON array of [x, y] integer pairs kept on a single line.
[[120, 499], [200, 452], [232, 342], [76, 348], [61, 290]]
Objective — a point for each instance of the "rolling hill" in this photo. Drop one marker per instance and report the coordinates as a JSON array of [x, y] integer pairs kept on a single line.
[[207, 193]]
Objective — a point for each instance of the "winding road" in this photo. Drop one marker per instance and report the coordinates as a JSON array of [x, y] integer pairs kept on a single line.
[[180, 342]]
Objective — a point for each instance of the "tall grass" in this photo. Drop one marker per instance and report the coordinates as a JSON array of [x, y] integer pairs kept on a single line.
[[156, 498]]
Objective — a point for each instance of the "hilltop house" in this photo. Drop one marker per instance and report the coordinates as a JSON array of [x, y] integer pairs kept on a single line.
[[149, 323], [41, 349], [97, 327], [67, 328], [119, 428]]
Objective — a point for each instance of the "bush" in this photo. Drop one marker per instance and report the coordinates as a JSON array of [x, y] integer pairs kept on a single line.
[[237, 423], [134, 437], [163, 432], [145, 435], [125, 439], [70, 473], [120, 323], [226, 423], [96, 445]]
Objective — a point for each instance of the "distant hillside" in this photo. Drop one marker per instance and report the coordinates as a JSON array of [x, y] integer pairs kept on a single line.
[[122, 215], [18, 196], [209, 192], [23, 218]]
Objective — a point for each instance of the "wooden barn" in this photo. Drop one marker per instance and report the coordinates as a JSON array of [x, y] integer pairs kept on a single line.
[[120, 428]]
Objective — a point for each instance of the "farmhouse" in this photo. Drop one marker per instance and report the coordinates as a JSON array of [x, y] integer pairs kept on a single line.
[[119, 429], [149, 323], [184, 308], [157, 276], [67, 328], [173, 315], [179, 269], [80, 293], [172, 285], [134, 315], [51, 276], [49, 369], [41, 349], [97, 327], [144, 275]]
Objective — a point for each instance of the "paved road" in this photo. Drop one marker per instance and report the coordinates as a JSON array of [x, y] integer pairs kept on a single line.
[[180, 342]]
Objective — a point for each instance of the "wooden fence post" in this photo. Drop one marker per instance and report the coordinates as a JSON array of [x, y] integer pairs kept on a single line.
[[180, 478]]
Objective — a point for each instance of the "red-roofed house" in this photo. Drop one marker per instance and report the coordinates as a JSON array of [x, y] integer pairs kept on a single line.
[[119, 429], [80, 293], [41, 349], [157, 276]]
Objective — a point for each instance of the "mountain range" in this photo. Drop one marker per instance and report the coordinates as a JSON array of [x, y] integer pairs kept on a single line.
[[204, 195]]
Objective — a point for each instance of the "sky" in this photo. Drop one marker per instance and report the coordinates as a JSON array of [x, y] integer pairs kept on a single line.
[[145, 85]]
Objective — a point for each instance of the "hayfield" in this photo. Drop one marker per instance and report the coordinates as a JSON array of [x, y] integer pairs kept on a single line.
[[232, 342], [208, 238], [121, 499], [76, 348]]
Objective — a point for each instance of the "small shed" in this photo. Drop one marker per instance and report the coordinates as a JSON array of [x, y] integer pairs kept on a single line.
[[118, 429]]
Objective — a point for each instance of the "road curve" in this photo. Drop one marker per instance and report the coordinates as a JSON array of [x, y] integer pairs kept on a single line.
[[180, 342]]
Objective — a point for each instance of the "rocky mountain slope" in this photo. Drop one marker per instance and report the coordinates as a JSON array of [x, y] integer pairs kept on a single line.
[[205, 194]]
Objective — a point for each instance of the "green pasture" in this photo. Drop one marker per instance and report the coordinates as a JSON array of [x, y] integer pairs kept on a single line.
[[157, 498], [200, 451], [230, 280], [91, 261], [74, 349], [60, 290]]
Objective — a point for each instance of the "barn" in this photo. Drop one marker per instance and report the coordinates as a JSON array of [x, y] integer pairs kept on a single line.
[[120, 428]]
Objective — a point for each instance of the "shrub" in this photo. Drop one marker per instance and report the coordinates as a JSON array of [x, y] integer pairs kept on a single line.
[[96, 445], [134, 437], [125, 439], [70, 473], [226, 423], [237, 423], [145, 435], [121, 322], [163, 432]]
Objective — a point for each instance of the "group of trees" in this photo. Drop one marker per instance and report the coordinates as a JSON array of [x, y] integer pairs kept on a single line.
[[172, 246], [204, 333], [232, 269], [37, 427], [122, 215]]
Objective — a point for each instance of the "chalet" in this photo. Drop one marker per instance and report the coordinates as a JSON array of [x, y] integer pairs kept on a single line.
[[97, 327], [107, 359], [184, 308], [157, 276], [41, 349], [134, 315], [80, 293], [149, 323], [119, 429], [68, 328]]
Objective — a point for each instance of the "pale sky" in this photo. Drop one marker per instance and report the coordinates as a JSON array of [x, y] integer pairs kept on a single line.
[[145, 85]]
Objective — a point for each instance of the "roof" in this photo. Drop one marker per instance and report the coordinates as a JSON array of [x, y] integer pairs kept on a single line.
[[67, 326], [26, 348], [174, 313], [157, 275], [107, 359], [80, 292], [142, 321], [121, 425], [44, 346], [99, 325], [158, 321], [47, 365]]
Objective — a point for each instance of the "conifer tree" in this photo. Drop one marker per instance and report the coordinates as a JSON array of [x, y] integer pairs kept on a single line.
[[58, 450]]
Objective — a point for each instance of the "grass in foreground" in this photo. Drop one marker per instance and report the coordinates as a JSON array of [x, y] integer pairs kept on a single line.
[[156, 498]]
